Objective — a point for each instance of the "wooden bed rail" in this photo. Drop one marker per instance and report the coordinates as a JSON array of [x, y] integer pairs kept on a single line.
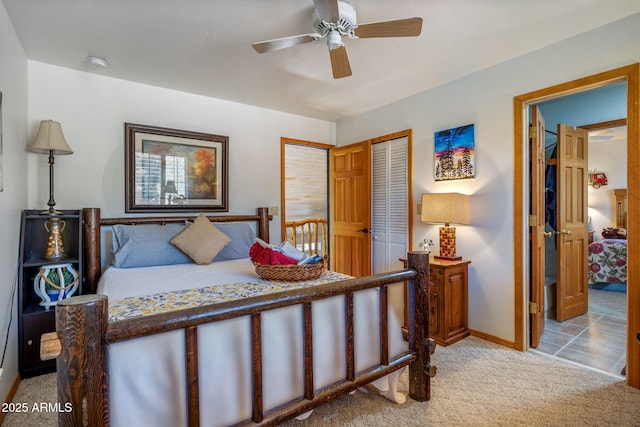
[[85, 333]]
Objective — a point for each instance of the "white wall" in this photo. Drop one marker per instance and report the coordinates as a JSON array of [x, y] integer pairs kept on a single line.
[[13, 85], [92, 110], [486, 99], [609, 157]]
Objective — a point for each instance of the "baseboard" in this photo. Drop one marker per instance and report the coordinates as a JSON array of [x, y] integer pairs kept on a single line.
[[493, 339], [11, 394]]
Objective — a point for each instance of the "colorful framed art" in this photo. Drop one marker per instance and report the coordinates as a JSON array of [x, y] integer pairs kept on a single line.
[[169, 170], [455, 153]]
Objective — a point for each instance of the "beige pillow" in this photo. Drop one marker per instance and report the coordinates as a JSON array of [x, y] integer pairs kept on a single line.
[[201, 240]]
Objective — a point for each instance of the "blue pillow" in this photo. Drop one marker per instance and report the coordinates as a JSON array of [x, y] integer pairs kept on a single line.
[[146, 245], [242, 237]]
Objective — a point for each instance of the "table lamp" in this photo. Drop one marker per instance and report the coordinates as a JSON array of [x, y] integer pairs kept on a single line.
[[170, 191], [447, 208]]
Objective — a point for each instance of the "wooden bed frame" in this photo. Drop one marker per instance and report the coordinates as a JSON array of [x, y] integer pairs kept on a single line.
[[84, 334]]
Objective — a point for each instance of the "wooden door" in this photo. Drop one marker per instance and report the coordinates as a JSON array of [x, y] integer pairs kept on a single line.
[[536, 232], [350, 219], [571, 202]]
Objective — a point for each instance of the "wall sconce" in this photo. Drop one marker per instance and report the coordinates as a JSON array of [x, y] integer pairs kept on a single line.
[[447, 208], [51, 141]]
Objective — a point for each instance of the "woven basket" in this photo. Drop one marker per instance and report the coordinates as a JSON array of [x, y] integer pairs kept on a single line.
[[290, 273]]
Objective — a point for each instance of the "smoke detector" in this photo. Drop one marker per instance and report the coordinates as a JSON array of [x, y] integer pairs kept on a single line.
[[96, 63]]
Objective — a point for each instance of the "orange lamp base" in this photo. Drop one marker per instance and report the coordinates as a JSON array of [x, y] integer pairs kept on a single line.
[[447, 244]]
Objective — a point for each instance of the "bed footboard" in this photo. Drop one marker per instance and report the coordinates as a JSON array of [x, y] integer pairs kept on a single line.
[[84, 335]]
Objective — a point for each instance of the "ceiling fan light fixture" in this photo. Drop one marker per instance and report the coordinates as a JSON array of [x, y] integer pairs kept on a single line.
[[334, 40], [334, 19], [345, 24]]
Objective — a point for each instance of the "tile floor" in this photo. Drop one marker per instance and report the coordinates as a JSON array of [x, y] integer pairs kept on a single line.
[[594, 340]]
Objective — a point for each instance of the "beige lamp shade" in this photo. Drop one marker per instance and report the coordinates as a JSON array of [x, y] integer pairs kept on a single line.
[[50, 138], [51, 141], [446, 208]]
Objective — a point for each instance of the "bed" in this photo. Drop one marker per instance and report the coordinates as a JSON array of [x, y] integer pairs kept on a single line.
[[607, 260], [158, 347]]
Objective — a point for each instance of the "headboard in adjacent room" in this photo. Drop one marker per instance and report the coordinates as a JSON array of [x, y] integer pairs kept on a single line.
[[621, 207]]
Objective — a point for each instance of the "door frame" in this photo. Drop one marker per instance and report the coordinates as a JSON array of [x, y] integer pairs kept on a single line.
[[631, 75]]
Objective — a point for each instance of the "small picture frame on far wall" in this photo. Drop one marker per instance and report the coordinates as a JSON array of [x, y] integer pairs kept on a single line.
[[455, 153]]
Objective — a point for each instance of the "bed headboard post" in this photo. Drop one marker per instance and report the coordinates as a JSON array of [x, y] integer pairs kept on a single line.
[[263, 224], [91, 247]]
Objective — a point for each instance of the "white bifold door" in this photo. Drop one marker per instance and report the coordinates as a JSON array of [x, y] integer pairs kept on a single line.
[[389, 209]]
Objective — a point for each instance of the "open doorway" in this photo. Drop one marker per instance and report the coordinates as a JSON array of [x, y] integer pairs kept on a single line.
[[596, 335], [630, 75], [305, 195]]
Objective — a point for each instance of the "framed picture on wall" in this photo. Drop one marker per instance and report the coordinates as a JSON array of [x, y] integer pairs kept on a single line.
[[168, 170], [455, 153]]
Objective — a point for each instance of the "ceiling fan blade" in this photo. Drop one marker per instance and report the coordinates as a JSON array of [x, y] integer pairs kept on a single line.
[[400, 28], [277, 44], [340, 62], [328, 10]]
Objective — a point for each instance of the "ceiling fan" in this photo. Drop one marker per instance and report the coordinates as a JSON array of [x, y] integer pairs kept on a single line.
[[333, 19]]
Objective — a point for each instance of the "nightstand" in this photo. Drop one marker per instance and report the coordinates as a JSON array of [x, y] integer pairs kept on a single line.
[[33, 318], [448, 301]]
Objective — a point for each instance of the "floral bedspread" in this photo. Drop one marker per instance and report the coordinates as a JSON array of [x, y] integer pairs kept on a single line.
[[169, 301], [608, 261]]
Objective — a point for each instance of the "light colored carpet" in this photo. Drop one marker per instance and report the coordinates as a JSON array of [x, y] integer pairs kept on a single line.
[[478, 383]]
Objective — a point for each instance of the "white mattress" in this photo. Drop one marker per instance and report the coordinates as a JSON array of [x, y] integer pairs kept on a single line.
[[147, 385], [118, 283]]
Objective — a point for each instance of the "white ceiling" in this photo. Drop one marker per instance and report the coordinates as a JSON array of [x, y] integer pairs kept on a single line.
[[204, 46]]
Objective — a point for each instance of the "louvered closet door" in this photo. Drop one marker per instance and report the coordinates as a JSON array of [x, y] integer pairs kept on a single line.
[[389, 216]]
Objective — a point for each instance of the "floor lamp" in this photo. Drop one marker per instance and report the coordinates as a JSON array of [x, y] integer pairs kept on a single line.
[[51, 141]]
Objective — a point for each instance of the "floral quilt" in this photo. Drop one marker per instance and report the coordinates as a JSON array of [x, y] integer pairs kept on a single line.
[[608, 261]]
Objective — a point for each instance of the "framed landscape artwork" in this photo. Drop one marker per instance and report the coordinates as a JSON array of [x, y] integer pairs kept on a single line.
[[168, 170], [455, 153]]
